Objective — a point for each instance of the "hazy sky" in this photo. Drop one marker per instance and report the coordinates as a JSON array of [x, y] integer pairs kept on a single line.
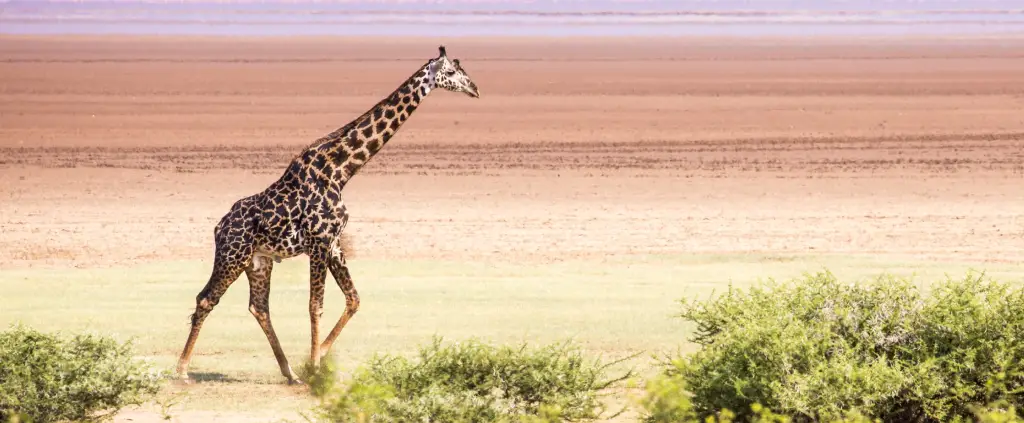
[[676, 4], [510, 17]]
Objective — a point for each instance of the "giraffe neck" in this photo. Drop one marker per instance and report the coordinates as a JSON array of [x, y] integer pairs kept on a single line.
[[340, 154]]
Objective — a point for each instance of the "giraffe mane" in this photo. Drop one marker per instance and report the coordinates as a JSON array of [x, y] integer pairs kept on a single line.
[[340, 132]]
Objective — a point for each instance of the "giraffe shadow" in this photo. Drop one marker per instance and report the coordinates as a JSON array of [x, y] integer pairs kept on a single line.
[[213, 377]]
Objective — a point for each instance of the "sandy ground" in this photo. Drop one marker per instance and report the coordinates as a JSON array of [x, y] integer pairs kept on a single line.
[[117, 151]]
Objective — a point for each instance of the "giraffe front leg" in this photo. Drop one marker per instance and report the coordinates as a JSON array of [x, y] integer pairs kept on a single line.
[[317, 276], [339, 270]]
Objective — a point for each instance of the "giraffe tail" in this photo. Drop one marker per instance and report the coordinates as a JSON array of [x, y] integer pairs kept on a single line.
[[347, 248], [192, 317], [217, 263]]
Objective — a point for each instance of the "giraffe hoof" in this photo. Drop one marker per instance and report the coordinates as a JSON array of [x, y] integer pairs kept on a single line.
[[296, 382]]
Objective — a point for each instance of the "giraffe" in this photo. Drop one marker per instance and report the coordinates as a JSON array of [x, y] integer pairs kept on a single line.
[[303, 213]]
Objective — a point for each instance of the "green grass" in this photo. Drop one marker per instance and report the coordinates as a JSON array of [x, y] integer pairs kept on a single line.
[[615, 307]]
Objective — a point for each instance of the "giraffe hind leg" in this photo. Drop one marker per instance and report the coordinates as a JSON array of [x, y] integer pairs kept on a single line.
[[259, 305], [317, 276], [339, 270], [228, 265]]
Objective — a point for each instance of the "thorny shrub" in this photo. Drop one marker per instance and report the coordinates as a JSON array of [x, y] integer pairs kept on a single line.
[[472, 381], [47, 377], [817, 349]]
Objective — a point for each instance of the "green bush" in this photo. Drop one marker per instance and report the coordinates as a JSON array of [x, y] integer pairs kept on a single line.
[[474, 382], [817, 349], [666, 401], [997, 412], [49, 378]]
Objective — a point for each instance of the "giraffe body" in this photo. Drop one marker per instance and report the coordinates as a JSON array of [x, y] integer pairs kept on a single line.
[[303, 213]]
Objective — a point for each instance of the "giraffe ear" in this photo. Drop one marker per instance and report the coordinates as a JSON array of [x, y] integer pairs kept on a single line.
[[456, 61], [443, 53]]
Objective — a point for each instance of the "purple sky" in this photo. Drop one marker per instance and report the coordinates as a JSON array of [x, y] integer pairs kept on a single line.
[[491, 17]]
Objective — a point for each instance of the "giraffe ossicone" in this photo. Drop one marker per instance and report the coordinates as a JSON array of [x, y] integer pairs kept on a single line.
[[302, 212]]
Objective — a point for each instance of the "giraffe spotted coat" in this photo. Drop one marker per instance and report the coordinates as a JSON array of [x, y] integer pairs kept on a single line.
[[303, 213]]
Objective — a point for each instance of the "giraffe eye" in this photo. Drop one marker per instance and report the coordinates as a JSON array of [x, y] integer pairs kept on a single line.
[[451, 73]]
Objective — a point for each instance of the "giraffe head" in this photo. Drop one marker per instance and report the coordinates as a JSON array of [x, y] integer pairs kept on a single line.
[[448, 74]]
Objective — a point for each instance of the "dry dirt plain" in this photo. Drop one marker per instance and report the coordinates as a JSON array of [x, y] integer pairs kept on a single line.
[[124, 151], [120, 150]]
